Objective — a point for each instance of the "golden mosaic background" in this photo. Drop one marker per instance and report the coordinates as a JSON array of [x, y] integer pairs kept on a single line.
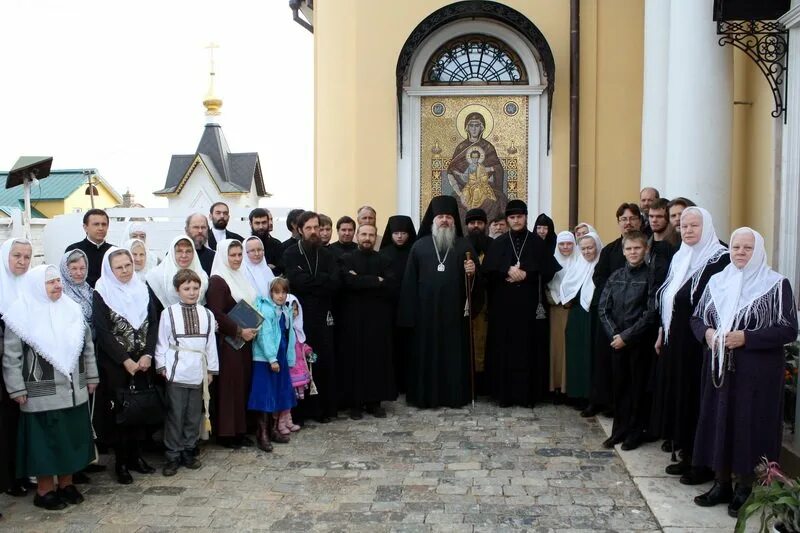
[[441, 135]]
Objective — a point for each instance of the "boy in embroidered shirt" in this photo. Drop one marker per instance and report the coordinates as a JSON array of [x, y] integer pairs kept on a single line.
[[186, 355]]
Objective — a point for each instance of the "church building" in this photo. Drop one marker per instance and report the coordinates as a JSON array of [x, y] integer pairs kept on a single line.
[[571, 105]]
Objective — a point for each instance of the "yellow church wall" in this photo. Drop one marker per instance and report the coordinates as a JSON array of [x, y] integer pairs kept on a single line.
[[79, 199], [49, 208]]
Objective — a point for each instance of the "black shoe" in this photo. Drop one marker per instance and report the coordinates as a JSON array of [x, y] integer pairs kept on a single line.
[[94, 468], [678, 469], [124, 477], [81, 478], [228, 442], [50, 501], [194, 452], [379, 412], [632, 442], [244, 441], [323, 419], [170, 468], [590, 411], [70, 494], [190, 461], [355, 414], [17, 490], [697, 476], [140, 465], [740, 495], [719, 493], [666, 446], [611, 441]]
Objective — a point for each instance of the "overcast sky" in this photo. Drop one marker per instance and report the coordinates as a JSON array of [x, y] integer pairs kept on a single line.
[[119, 86]]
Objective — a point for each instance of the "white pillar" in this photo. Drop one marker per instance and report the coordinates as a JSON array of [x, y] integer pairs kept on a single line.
[[654, 106], [788, 246], [699, 111]]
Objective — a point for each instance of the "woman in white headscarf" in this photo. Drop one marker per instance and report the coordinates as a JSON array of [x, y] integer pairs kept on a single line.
[[255, 266], [676, 386], [567, 256], [180, 254], [744, 318], [577, 293], [15, 259], [126, 326], [582, 229], [137, 231], [141, 257], [227, 286], [49, 369]]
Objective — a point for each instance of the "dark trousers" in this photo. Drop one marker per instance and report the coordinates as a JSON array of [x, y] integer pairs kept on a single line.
[[631, 370], [182, 423], [602, 388]]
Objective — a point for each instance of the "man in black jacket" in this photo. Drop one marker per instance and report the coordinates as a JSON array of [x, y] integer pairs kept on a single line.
[[630, 323], [260, 226], [220, 216], [95, 224], [197, 230]]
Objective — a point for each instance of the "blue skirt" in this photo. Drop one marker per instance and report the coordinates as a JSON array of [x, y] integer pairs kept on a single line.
[[270, 391]]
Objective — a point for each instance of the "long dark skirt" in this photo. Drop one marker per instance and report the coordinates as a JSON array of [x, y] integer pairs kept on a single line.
[[54, 443], [578, 347], [233, 388]]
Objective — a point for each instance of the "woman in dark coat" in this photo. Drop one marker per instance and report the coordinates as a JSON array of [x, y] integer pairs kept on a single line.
[[745, 316], [126, 326], [676, 383], [226, 287]]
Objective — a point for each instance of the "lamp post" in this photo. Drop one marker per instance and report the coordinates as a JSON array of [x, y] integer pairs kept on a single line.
[[91, 190]]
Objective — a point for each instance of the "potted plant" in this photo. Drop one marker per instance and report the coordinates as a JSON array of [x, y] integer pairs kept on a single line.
[[775, 497], [791, 352]]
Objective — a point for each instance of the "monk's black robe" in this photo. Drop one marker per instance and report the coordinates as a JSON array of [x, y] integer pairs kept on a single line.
[[341, 248], [517, 351], [94, 254], [432, 302], [206, 257], [364, 367], [398, 258]]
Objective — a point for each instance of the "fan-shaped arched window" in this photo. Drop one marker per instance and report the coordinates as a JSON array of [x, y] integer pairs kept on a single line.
[[475, 60]]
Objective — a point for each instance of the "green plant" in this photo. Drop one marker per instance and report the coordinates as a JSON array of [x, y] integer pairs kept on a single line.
[[775, 497]]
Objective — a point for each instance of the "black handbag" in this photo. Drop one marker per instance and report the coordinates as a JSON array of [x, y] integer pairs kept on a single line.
[[140, 405]]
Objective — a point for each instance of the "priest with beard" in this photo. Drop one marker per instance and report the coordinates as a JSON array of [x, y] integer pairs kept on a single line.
[[314, 278], [515, 265], [433, 301], [398, 238], [260, 226], [364, 369], [477, 221]]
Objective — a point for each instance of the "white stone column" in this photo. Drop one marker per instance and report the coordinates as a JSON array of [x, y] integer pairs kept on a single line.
[[788, 246], [654, 106], [699, 111]]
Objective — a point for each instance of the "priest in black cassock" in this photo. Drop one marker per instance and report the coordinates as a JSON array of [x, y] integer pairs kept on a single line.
[[95, 224], [398, 238], [433, 301], [314, 277], [514, 267], [364, 368]]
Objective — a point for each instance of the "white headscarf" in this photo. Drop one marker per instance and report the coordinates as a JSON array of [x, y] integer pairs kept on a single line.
[[566, 262], [579, 277], [55, 329], [588, 226], [237, 281], [259, 275], [688, 262], [739, 296], [139, 227], [129, 300], [160, 278], [129, 244], [9, 282], [297, 323]]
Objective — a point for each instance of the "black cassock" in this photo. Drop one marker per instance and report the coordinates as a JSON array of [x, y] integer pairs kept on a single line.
[[398, 258], [364, 369], [314, 278], [516, 357], [432, 302]]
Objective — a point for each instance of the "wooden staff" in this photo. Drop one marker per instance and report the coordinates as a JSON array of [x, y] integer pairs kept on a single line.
[[468, 279]]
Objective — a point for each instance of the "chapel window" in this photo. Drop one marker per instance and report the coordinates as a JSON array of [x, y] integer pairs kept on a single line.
[[475, 60]]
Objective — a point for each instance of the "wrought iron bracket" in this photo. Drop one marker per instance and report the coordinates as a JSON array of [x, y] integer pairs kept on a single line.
[[767, 43]]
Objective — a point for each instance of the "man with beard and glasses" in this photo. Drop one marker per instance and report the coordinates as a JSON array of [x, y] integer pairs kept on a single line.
[[516, 354], [220, 216], [197, 230], [398, 238], [260, 226], [314, 278], [345, 231], [364, 369], [433, 301], [476, 220]]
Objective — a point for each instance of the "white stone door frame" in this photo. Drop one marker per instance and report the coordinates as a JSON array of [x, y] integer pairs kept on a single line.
[[539, 162]]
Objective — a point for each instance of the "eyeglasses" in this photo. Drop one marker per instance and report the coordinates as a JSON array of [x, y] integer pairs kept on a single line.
[[627, 219]]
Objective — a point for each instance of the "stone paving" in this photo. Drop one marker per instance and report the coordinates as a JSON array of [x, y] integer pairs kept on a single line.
[[459, 470]]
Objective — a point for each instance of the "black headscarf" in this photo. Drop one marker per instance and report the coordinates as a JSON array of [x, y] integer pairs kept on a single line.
[[550, 240], [440, 205], [399, 223]]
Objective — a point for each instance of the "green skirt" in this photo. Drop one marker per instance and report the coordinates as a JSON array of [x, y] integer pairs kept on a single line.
[[578, 342], [54, 443]]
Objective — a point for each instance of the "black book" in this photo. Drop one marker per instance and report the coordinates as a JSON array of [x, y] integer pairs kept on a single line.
[[245, 317]]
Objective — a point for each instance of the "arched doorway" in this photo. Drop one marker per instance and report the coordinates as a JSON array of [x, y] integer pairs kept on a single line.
[[475, 83]]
